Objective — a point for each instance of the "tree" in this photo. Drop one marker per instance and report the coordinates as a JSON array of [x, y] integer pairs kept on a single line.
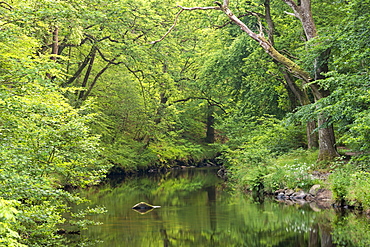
[[303, 12]]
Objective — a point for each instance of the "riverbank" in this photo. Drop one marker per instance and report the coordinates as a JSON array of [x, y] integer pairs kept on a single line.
[[297, 178]]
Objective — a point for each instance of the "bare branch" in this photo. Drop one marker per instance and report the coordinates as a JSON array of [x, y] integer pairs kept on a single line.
[[109, 60], [292, 14], [259, 24]]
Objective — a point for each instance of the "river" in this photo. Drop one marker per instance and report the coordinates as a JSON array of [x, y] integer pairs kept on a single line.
[[199, 209]]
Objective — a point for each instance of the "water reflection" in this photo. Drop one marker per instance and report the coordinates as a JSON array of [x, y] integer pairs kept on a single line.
[[198, 210]]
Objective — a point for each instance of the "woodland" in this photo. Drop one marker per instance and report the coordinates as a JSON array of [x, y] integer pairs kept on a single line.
[[273, 90]]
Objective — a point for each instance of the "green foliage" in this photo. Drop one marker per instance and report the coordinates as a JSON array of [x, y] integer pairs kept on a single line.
[[130, 155], [51, 137], [358, 136], [110, 95], [45, 144], [79, 218], [340, 182], [252, 162], [359, 189], [8, 235], [350, 184], [292, 170], [350, 230]]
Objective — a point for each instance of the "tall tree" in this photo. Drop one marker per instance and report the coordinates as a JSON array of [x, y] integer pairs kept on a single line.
[[302, 10]]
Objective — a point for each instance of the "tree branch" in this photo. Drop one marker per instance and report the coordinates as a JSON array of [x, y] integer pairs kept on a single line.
[[169, 30], [88, 91], [210, 102], [293, 6], [270, 22], [81, 67], [265, 44], [7, 5], [292, 14], [108, 60]]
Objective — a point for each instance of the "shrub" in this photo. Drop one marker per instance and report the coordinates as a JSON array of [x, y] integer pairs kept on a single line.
[[253, 163], [351, 184], [359, 189]]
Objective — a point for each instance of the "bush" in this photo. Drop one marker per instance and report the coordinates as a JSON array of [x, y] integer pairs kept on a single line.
[[351, 185], [253, 163], [8, 234], [45, 144], [359, 189]]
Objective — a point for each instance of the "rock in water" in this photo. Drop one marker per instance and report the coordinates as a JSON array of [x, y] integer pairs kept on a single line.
[[143, 207]]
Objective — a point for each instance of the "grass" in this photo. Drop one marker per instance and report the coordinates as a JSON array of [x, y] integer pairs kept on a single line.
[[292, 170], [298, 156]]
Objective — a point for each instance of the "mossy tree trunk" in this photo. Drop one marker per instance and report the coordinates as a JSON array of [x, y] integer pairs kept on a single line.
[[302, 10]]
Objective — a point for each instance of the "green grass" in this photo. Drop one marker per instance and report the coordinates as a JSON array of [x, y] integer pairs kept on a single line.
[[298, 156], [292, 170]]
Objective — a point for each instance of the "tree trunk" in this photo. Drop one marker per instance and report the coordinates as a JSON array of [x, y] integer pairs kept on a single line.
[[301, 95], [326, 135], [210, 135], [81, 67], [55, 45], [327, 146], [87, 74], [54, 48], [161, 108], [294, 91], [312, 137]]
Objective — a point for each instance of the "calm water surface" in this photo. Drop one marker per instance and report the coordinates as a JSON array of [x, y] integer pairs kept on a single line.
[[197, 209]]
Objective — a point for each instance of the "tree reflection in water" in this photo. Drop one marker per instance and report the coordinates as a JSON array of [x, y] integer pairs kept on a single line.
[[198, 209]]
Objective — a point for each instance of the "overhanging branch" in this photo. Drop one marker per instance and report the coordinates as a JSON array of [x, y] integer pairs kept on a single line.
[[263, 42], [211, 102]]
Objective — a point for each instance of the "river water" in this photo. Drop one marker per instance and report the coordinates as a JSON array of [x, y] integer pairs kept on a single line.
[[198, 209]]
